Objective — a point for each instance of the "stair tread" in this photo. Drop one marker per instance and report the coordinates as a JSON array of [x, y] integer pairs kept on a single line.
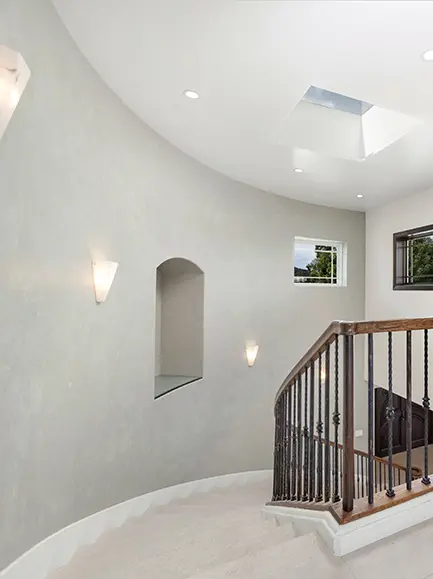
[[301, 558]]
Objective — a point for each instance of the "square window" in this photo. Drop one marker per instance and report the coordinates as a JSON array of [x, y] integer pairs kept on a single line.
[[320, 262], [413, 259]]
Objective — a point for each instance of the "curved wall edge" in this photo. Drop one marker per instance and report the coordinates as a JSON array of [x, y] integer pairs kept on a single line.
[[58, 549]]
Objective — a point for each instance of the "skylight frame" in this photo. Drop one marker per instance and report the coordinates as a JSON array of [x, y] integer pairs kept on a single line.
[[336, 101]]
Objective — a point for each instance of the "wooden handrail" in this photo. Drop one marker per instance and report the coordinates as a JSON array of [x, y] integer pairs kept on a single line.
[[416, 472], [338, 328]]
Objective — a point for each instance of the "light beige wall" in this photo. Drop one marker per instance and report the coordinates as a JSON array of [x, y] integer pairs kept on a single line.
[[82, 177], [382, 302]]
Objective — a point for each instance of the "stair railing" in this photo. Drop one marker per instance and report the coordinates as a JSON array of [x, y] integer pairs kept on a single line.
[[315, 460]]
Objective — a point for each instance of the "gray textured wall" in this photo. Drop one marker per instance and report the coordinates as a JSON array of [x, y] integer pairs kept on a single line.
[[81, 177]]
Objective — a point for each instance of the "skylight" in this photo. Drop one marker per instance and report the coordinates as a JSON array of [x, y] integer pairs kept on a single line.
[[334, 100]]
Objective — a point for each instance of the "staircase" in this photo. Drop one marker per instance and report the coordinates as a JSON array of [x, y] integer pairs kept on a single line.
[[207, 536], [222, 534]]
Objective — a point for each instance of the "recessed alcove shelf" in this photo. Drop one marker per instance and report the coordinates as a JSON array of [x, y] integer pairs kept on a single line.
[[178, 325]]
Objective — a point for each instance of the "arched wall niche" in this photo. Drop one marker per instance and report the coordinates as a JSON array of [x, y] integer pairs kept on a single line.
[[179, 324]]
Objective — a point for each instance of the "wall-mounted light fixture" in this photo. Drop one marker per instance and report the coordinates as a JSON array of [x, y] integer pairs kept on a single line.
[[103, 276], [14, 75], [251, 350]]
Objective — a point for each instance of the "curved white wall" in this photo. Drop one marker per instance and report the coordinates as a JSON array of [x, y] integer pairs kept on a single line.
[[81, 177]]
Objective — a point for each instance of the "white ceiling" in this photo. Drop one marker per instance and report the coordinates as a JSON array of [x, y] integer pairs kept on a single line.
[[251, 61]]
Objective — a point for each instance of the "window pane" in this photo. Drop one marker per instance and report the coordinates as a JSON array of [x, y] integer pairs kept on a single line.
[[413, 258], [317, 262]]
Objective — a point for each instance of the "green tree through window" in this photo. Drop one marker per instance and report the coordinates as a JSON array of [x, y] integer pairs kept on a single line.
[[420, 258], [323, 268]]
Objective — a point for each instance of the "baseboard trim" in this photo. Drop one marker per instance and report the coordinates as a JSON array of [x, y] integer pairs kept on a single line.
[[58, 549], [344, 539]]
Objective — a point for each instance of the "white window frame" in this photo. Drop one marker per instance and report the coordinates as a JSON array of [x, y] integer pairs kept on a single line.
[[341, 252]]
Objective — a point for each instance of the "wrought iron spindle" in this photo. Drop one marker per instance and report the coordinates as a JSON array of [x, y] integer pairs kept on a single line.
[[285, 446], [409, 410], [306, 440], [294, 445], [390, 415], [370, 418], [300, 440], [290, 440], [336, 422], [426, 405], [312, 455], [327, 426], [348, 426], [277, 451], [362, 476], [319, 496], [357, 475], [375, 477], [380, 476], [274, 490]]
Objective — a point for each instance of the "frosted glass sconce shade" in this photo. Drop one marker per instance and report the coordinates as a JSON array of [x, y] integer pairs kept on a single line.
[[14, 75], [251, 350], [103, 276]]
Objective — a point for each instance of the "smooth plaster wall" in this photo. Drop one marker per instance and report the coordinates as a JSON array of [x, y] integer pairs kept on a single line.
[[382, 302], [82, 177]]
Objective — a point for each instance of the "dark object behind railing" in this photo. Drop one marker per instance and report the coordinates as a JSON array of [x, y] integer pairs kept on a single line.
[[311, 467]]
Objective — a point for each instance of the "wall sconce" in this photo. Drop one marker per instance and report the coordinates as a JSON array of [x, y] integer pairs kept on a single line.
[[103, 276], [14, 75], [251, 350]]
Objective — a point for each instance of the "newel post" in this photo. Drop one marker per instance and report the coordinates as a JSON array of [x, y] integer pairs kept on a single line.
[[348, 425]]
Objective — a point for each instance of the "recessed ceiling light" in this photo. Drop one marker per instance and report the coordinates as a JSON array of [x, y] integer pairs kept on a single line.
[[299, 170], [360, 195], [428, 55], [191, 94]]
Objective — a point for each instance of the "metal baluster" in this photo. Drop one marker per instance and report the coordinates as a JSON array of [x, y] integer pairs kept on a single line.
[[370, 418], [294, 445], [357, 475], [362, 476], [375, 477], [299, 484], [319, 496], [399, 476], [336, 421], [327, 426], [409, 410], [285, 446], [380, 476], [275, 486], [312, 457], [390, 415], [306, 440], [348, 426], [426, 404], [278, 434], [290, 440]]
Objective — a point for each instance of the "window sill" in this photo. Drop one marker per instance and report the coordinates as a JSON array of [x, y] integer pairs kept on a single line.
[[330, 285], [414, 287]]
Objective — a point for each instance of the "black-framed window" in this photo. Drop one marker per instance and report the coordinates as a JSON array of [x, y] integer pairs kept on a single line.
[[413, 259]]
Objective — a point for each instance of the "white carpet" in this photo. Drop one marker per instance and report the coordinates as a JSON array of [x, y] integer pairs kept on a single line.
[[222, 534]]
